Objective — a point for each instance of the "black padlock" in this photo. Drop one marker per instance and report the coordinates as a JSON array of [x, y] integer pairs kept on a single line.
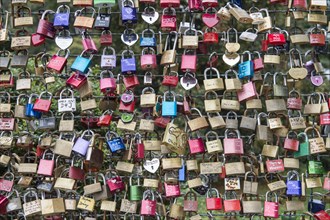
[[103, 19]]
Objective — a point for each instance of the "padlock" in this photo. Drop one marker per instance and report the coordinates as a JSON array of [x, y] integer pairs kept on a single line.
[[20, 59], [198, 122], [316, 205], [67, 104], [240, 14], [45, 27], [272, 58], [29, 112], [256, 15], [317, 18], [190, 203], [263, 131], [169, 108], [147, 78], [249, 35], [64, 147], [211, 36], [105, 119], [7, 182], [128, 12], [115, 142], [5, 57], [108, 61], [195, 5], [107, 84], [189, 61], [135, 191], [88, 43], [248, 122], [15, 203], [294, 101], [196, 144], [77, 80], [4, 27], [248, 91], [6, 139], [7, 123], [169, 3], [168, 20], [271, 208], [318, 5], [232, 84], [82, 143], [190, 39], [81, 64], [43, 105], [128, 65], [291, 143], [229, 104], [212, 84], [296, 121], [62, 17], [215, 145], [213, 104], [148, 58], [23, 17], [280, 89], [148, 41], [114, 182], [94, 186], [127, 101], [317, 37], [46, 166], [293, 186], [233, 145], [103, 19], [20, 109], [57, 62], [303, 146], [169, 55], [148, 97], [267, 24], [47, 121], [171, 79], [148, 204], [32, 207], [298, 36], [246, 67], [213, 200], [82, 21], [233, 204], [75, 172], [315, 168], [106, 38], [5, 107]]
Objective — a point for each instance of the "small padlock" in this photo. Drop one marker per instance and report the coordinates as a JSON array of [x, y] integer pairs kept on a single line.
[[57, 62], [43, 105], [108, 61], [82, 21], [271, 208], [293, 186], [233, 145], [169, 108], [67, 104], [135, 191], [115, 142]]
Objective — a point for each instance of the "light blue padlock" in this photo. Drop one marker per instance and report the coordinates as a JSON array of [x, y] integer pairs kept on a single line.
[[81, 63], [245, 67], [148, 41], [169, 108]]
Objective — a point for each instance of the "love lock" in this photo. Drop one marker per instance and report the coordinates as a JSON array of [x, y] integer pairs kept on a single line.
[[188, 81]]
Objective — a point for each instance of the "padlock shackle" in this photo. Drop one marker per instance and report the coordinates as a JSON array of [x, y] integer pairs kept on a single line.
[[276, 74], [210, 69], [293, 53], [228, 131], [270, 194], [228, 34], [63, 6], [231, 71]]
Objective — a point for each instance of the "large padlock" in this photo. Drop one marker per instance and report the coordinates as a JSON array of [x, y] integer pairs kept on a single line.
[[62, 17], [103, 19], [280, 89], [233, 145], [271, 208], [148, 41], [303, 146], [77, 80], [83, 142], [82, 21], [131, 81], [20, 59], [263, 131], [272, 58], [276, 38], [212, 84], [249, 35], [168, 20], [190, 203], [248, 122], [293, 186], [232, 84], [190, 39], [5, 105], [171, 79], [115, 142], [196, 144], [32, 207], [215, 145], [114, 182], [317, 18], [291, 143], [294, 101], [148, 58], [107, 84], [240, 14], [7, 123], [43, 105], [106, 38], [198, 122], [128, 12], [231, 120], [212, 104], [317, 37], [213, 200], [135, 189], [248, 91], [57, 62], [267, 24], [64, 147], [76, 172], [148, 204], [45, 27], [128, 64], [297, 122], [231, 204], [81, 64], [148, 97], [246, 67], [127, 101], [211, 36]]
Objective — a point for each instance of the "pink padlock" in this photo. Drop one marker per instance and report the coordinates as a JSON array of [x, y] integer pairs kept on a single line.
[[148, 204], [172, 190], [291, 141], [88, 43], [57, 62], [196, 145], [258, 63], [248, 92], [114, 182], [148, 58], [46, 167], [233, 145], [189, 61], [271, 209], [301, 4], [107, 84]]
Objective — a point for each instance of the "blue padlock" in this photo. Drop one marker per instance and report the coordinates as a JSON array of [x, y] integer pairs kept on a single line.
[[29, 112], [293, 186], [128, 12], [182, 172], [148, 41], [81, 63], [115, 142], [128, 65], [169, 108], [62, 18], [316, 205], [245, 67]]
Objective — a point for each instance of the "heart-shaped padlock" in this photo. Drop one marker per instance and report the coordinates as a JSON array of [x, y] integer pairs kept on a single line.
[[316, 78], [37, 39]]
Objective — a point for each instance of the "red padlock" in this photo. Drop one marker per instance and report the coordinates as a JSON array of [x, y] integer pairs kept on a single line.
[[172, 190], [195, 5], [139, 148], [88, 43], [162, 121], [291, 144], [248, 91], [105, 119], [114, 182], [46, 167], [271, 208], [45, 27], [148, 58], [171, 79], [107, 84], [211, 36], [213, 200], [210, 3], [148, 204], [189, 61], [233, 145], [325, 119], [76, 80], [275, 166], [169, 3], [276, 38], [190, 203], [258, 63], [231, 205], [9, 82], [3, 204], [7, 182], [196, 145], [106, 38], [317, 37], [294, 101], [76, 173], [43, 105], [264, 45], [168, 20], [57, 62], [127, 101], [131, 81], [322, 215]]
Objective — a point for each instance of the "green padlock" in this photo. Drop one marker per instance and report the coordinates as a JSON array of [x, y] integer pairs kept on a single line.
[[315, 168], [303, 146], [104, 3], [127, 117], [135, 191], [289, 216]]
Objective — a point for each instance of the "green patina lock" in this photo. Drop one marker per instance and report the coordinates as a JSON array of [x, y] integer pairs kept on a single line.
[[315, 168], [303, 146], [135, 191]]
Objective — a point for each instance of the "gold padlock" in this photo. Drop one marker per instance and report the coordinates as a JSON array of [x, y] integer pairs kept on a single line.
[[240, 14], [267, 24], [190, 39], [315, 18], [272, 58], [22, 21], [169, 55]]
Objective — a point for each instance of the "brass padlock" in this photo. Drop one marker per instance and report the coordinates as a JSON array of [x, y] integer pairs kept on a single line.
[[297, 70], [240, 14], [213, 104], [298, 36], [316, 18], [169, 55], [267, 24], [21, 20], [272, 58]]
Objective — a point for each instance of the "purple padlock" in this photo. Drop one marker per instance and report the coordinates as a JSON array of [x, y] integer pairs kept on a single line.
[[309, 65], [62, 18], [82, 143], [316, 78], [128, 65]]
